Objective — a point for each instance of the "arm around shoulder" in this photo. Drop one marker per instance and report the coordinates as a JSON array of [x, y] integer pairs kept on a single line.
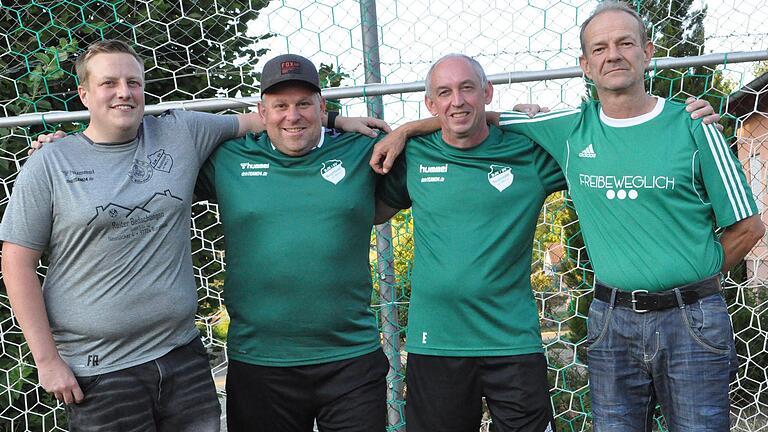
[[389, 148], [249, 123]]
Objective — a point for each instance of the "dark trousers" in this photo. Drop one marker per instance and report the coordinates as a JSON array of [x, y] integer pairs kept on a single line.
[[343, 396], [445, 393]]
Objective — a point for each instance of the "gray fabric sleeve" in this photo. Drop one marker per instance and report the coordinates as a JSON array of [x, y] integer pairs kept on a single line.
[[208, 130], [28, 216]]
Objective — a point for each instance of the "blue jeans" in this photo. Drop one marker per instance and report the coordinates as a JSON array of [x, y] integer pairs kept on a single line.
[[174, 393], [682, 358]]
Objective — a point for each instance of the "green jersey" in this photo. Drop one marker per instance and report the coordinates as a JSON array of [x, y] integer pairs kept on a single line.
[[648, 190], [475, 214], [297, 233]]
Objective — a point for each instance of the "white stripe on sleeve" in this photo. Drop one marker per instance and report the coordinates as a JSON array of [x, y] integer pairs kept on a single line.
[[734, 170], [725, 174]]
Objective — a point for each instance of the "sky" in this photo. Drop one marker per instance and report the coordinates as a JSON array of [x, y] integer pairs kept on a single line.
[[505, 36]]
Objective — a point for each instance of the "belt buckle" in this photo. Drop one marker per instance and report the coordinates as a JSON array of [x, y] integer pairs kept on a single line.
[[634, 301]]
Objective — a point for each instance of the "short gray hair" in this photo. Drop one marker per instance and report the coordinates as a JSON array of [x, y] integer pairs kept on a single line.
[[472, 62], [614, 5]]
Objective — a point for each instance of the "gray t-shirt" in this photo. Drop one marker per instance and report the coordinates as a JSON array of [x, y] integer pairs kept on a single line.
[[115, 221]]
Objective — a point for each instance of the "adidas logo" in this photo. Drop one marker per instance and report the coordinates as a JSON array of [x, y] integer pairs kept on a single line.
[[588, 152]]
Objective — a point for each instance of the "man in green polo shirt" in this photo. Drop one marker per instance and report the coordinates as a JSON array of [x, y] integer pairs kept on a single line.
[[297, 205], [473, 327]]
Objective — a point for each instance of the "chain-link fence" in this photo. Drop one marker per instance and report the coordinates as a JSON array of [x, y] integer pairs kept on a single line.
[[206, 49]]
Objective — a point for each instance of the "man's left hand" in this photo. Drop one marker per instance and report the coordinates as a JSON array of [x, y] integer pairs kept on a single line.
[[530, 109], [701, 108], [386, 151], [364, 125], [43, 139]]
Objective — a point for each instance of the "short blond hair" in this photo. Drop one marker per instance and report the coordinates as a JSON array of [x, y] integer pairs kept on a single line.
[[107, 46]]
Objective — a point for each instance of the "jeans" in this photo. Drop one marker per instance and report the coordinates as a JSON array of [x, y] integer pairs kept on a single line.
[[174, 393], [682, 358]]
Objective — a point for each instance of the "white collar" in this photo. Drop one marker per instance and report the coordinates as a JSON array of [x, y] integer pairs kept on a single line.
[[634, 121]]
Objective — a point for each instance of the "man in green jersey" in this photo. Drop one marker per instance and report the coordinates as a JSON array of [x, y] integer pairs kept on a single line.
[[649, 184], [297, 205], [473, 328]]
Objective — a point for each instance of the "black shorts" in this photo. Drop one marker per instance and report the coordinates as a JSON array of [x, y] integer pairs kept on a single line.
[[343, 396], [445, 393]]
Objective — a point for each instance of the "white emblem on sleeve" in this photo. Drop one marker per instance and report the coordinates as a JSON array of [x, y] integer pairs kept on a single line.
[[333, 171], [500, 177]]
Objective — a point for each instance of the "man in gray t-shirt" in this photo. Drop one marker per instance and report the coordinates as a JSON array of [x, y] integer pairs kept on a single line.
[[111, 207], [117, 208]]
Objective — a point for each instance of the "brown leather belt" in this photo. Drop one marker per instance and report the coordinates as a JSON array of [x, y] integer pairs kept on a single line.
[[644, 301]]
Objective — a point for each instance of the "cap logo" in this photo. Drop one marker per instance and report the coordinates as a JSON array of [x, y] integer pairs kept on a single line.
[[288, 67]]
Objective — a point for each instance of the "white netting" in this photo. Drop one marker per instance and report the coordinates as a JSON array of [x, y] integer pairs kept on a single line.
[[212, 48]]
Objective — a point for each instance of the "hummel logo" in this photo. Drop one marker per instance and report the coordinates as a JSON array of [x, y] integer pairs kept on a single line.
[[588, 152]]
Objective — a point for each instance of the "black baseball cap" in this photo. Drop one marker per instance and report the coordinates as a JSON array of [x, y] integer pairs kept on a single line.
[[289, 67]]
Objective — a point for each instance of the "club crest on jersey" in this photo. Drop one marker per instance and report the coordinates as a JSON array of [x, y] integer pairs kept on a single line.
[[140, 172], [500, 177], [160, 160], [333, 171]]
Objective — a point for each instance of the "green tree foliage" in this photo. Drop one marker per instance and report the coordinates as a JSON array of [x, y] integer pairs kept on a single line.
[[761, 68], [191, 49], [329, 77]]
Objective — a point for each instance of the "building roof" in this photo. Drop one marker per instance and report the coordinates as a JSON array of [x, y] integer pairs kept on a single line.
[[751, 97]]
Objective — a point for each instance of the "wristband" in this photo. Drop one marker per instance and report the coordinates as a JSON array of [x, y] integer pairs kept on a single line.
[[331, 123]]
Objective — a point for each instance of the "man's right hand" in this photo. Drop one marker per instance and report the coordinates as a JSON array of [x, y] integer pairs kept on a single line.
[[386, 151], [57, 379], [389, 148], [43, 139]]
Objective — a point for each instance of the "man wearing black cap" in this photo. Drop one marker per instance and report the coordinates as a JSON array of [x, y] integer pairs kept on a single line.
[[297, 206]]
